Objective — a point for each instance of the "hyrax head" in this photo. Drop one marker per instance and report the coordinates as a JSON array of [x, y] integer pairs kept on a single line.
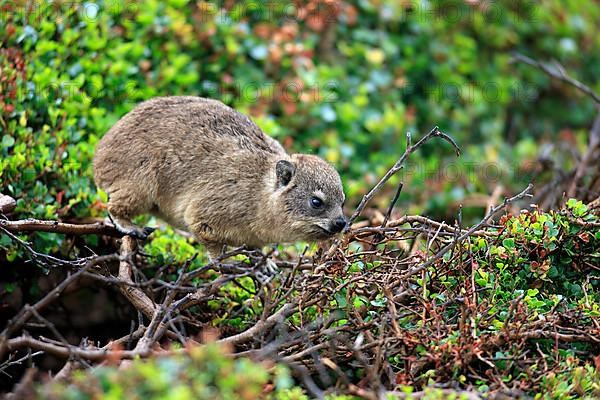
[[311, 192]]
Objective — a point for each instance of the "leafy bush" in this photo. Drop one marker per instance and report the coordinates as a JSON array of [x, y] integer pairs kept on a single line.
[[204, 372], [515, 306], [70, 70], [548, 252]]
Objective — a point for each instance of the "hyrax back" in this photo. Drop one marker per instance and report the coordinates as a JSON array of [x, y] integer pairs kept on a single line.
[[205, 168]]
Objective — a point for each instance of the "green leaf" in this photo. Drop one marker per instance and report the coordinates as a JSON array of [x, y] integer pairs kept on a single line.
[[7, 141], [509, 243]]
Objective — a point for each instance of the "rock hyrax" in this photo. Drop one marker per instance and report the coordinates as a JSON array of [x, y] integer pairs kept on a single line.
[[205, 168]]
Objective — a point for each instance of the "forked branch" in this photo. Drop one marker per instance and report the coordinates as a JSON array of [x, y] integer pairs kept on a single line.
[[410, 148]]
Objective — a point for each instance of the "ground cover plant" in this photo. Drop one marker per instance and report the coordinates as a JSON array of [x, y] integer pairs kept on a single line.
[[458, 279]]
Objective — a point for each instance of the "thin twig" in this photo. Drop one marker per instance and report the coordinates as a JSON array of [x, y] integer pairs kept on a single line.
[[65, 351], [27, 312], [136, 297], [557, 71], [588, 157], [435, 132], [35, 225], [484, 221]]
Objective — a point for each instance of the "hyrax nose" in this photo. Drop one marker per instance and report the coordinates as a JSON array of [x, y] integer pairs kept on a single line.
[[338, 224]]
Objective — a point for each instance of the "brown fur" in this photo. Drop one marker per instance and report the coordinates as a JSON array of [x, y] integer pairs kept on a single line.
[[205, 168]]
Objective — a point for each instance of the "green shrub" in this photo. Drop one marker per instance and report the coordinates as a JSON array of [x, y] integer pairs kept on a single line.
[[70, 70], [203, 372]]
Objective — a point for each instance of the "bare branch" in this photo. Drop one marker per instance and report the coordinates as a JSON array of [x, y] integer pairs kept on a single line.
[[27, 312], [261, 326], [557, 71], [588, 157], [135, 295], [64, 351], [459, 239], [435, 132], [35, 225]]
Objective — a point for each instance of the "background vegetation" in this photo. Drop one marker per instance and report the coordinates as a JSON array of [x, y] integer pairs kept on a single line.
[[342, 79]]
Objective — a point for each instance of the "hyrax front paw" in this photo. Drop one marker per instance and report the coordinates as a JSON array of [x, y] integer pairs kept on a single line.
[[130, 229], [141, 234], [271, 267], [266, 271]]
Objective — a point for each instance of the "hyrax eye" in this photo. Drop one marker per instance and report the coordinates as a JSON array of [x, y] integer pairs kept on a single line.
[[316, 202]]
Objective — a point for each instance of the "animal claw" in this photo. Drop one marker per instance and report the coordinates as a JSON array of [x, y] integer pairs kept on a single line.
[[148, 230], [141, 234], [266, 272]]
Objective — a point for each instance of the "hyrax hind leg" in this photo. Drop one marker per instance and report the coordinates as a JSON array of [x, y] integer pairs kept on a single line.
[[264, 271], [123, 206], [205, 235], [214, 249]]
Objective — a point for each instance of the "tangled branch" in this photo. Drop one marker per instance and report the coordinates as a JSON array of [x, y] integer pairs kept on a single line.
[[361, 294]]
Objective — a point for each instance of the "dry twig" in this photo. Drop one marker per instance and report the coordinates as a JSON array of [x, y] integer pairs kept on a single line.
[[410, 148], [557, 71]]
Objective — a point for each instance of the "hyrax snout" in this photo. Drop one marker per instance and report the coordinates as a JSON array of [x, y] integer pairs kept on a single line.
[[203, 167]]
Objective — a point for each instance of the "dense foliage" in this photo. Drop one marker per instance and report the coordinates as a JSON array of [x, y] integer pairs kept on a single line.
[[202, 373], [514, 311], [345, 80]]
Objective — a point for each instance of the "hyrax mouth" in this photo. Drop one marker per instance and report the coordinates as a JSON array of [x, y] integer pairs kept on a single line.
[[325, 231], [333, 227]]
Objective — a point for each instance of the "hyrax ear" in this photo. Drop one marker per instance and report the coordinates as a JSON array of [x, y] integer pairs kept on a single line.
[[284, 171]]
